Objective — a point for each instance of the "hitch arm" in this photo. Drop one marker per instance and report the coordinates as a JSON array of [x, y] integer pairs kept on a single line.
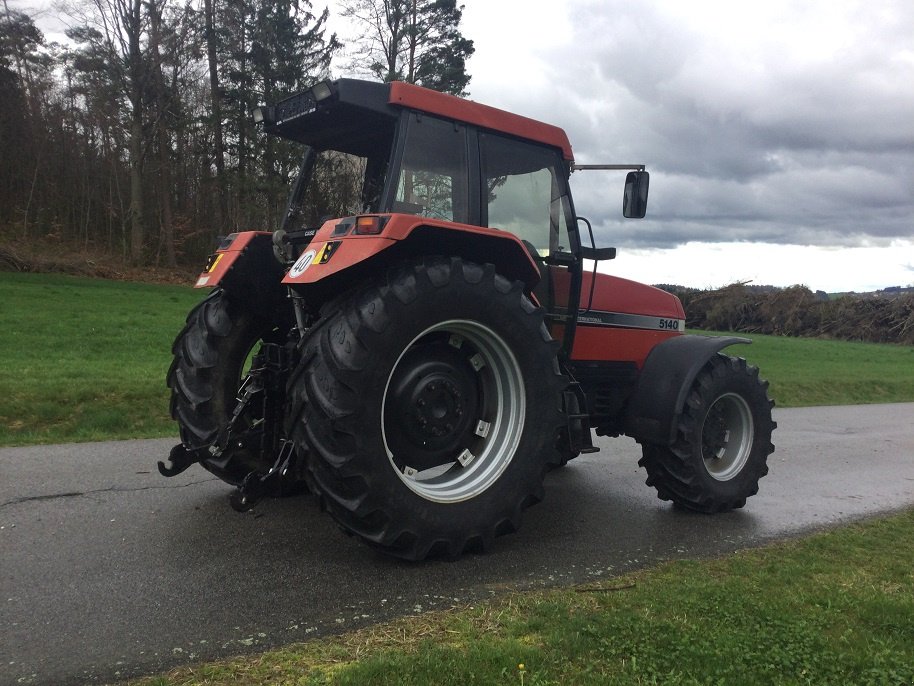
[[258, 485]]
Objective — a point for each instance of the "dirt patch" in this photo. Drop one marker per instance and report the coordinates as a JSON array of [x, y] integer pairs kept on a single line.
[[58, 259]]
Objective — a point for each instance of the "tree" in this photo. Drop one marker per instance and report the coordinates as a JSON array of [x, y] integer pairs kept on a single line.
[[20, 41], [162, 136], [270, 51], [212, 59], [115, 141], [115, 34], [25, 84], [417, 41]]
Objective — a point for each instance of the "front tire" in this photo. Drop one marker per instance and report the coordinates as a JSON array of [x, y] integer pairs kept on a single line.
[[431, 407], [722, 442]]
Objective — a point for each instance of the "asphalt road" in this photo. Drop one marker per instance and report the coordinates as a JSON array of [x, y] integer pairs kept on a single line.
[[108, 570]]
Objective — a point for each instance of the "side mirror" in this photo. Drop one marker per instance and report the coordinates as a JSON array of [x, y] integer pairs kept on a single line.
[[634, 200]]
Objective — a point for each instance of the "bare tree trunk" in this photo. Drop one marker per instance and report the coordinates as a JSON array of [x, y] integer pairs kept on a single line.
[[209, 9], [28, 204], [132, 20], [164, 141], [413, 42], [137, 224]]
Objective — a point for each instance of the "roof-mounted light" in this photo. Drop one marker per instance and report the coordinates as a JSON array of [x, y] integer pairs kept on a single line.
[[321, 91], [264, 115]]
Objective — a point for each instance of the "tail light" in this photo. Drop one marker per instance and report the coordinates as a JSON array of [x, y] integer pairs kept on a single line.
[[369, 226]]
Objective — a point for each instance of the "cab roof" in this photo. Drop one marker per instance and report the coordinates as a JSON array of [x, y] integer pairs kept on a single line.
[[485, 117], [353, 112]]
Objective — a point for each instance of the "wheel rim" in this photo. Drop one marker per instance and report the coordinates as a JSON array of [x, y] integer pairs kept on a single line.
[[453, 411], [726, 436]]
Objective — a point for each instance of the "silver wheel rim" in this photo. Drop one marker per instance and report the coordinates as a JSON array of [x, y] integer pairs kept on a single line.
[[726, 436], [479, 460]]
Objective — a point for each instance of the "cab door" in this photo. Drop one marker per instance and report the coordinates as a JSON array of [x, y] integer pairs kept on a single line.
[[525, 191]]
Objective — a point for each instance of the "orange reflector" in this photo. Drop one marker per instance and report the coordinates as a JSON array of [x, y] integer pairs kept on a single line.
[[368, 226]]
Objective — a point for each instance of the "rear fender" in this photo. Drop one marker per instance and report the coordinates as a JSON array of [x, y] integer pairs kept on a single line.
[[337, 257], [664, 382], [245, 266]]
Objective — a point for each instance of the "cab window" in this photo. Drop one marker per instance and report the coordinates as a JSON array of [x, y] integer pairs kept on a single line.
[[433, 177], [525, 192]]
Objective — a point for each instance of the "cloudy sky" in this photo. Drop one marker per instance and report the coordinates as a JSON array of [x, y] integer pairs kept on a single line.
[[779, 134]]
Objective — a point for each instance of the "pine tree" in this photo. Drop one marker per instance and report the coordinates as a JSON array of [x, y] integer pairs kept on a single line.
[[269, 51], [417, 41]]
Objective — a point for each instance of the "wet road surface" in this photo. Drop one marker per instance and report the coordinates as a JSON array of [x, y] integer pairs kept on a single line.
[[108, 570]]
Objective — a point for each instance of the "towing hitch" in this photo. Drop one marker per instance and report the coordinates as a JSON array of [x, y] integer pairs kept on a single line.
[[180, 458]]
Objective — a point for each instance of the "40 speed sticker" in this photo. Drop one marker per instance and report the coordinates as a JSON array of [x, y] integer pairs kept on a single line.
[[302, 263]]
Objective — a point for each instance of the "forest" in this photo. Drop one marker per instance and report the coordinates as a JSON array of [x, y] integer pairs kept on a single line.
[[136, 138]]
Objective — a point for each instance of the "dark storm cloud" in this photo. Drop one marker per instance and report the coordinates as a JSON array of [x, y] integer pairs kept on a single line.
[[784, 125]]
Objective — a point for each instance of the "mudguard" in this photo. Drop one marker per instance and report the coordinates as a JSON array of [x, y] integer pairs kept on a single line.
[[339, 254], [245, 266], [664, 382]]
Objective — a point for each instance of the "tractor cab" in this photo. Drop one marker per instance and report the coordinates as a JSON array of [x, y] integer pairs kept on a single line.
[[450, 164]]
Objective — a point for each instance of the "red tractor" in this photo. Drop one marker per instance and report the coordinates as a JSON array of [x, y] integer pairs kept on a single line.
[[442, 339]]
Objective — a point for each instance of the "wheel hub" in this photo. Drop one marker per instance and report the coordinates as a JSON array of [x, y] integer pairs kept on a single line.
[[453, 411], [726, 436], [433, 401], [715, 436], [439, 406]]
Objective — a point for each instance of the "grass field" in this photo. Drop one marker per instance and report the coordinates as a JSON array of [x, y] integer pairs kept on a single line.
[[85, 359], [805, 372], [836, 608]]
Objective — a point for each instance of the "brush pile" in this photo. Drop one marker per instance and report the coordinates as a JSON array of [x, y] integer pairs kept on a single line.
[[797, 311]]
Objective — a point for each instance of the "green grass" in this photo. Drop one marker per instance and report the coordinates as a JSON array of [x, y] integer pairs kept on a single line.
[[85, 359], [805, 371], [835, 608]]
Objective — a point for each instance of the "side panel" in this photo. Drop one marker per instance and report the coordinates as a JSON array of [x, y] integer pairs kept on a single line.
[[664, 382], [625, 320], [616, 344]]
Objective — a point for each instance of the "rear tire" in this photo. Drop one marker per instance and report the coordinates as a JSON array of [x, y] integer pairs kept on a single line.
[[205, 374], [442, 363], [722, 442]]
